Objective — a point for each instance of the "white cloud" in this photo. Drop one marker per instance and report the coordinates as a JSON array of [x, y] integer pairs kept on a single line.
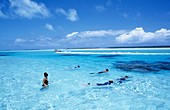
[[107, 38], [139, 36], [99, 33], [28, 9], [72, 34], [35, 42], [71, 14], [49, 27], [101, 38], [19, 40], [42, 39], [61, 10]]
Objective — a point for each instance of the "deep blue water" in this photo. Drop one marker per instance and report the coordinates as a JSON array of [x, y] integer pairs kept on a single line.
[[22, 74]]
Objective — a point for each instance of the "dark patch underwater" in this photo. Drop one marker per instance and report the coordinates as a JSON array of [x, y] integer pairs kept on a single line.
[[5, 54], [73, 55], [108, 56], [141, 66]]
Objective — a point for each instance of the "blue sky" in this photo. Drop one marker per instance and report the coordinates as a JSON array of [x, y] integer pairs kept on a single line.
[[43, 24]]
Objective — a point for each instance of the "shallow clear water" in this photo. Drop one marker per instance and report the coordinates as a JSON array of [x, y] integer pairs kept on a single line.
[[22, 74]]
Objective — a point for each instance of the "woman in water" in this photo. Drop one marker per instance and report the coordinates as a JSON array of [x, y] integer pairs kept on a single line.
[[103, 84], [104, 71], [45, 80], [123, 79]]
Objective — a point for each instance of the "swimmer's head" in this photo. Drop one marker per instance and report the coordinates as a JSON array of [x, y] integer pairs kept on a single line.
[[110, 81], [107, 69], [126, 76], [77, 66], [45, 74], [88, 83]]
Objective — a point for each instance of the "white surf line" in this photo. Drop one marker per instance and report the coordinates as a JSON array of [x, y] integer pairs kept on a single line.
[[113, 53], [116, 49]]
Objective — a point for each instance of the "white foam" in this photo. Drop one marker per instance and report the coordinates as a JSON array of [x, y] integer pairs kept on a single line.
[[116, 49], [113, 53]]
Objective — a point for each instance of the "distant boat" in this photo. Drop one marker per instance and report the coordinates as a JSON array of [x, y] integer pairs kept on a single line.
[[56, 50]]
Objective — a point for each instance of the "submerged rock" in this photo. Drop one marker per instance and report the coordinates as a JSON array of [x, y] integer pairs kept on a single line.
[[163, 65], [142, 66]]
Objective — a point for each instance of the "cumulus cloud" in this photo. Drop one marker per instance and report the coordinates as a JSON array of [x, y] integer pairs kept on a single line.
[[99, 33], [139, 36], [71, 14], [49, 27], [28, 9], [105, 38], [102, 38], [98, 38]]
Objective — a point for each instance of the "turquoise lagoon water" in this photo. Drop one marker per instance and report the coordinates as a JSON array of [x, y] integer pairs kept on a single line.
[[148, 89]]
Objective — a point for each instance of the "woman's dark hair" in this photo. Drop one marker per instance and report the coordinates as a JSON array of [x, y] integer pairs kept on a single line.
[[126, 77], [45, 74], [110, 81], [107, 69]]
